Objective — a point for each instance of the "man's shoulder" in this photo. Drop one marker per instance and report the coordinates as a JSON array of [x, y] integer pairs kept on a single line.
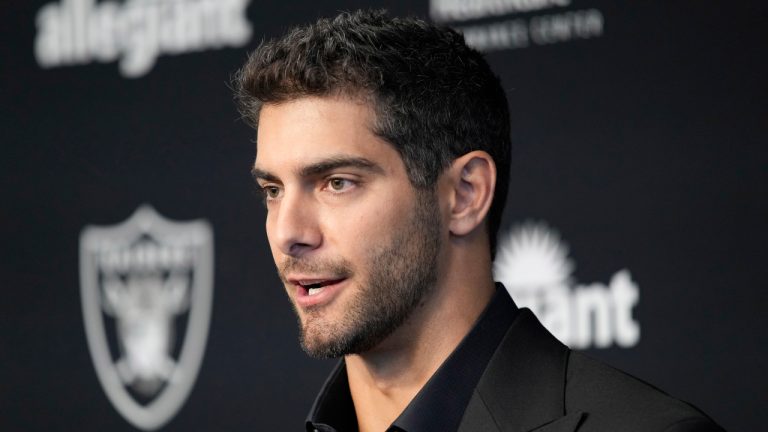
[[535, 383], [614, 400]]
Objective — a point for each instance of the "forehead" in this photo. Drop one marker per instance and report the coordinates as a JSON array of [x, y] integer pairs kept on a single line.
[[308, 129]]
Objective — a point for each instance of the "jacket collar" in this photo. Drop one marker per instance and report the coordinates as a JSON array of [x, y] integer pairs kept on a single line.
[[523, 387]]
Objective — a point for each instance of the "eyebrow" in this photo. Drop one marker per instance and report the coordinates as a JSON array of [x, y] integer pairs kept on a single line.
[[324, 166]]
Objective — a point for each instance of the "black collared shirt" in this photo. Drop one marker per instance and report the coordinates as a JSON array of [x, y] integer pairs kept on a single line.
[[440, 404]]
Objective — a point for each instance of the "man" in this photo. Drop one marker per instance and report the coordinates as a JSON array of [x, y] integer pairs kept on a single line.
[[383, 153]]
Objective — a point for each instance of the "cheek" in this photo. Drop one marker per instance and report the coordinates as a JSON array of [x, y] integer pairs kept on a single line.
[[365, 225]]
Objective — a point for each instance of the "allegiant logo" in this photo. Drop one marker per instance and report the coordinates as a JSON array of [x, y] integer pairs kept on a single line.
[[136, 32]]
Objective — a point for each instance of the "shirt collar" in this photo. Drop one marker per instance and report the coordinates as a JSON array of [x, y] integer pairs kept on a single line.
[[440, 404], [333, 410]]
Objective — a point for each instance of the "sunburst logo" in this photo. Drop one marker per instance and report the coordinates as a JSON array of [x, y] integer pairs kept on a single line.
[[533, 263], [533, 256]]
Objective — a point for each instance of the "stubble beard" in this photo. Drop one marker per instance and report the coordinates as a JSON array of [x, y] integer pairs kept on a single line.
[[401, 275]]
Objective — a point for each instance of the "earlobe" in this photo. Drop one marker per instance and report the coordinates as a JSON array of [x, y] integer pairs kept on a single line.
[[473, 180]]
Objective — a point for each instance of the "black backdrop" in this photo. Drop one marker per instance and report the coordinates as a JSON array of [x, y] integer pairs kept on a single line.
[[642, 141]]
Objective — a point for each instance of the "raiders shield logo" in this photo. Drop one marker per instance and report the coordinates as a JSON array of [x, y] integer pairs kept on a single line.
[[147, 288]]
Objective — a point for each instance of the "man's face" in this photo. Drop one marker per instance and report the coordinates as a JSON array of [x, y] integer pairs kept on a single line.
[[355, 244]]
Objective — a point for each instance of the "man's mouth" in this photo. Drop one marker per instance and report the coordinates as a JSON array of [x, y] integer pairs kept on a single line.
[[315, 291], [313, 288]]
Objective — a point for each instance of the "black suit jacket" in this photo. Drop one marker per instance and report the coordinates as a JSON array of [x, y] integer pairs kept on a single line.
[[535, 383]]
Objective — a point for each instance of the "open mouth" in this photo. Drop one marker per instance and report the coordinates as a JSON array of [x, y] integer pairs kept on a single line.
[[311, 291], [312, 288]]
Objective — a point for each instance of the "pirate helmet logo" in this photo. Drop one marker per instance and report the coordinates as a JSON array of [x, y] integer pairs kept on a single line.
[[143, 282]]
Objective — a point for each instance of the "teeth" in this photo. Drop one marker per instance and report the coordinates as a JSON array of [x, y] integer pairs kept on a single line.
[[313, 291]]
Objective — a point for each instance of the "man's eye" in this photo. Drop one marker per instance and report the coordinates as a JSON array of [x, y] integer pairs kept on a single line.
[[339, 184], [271, 192]]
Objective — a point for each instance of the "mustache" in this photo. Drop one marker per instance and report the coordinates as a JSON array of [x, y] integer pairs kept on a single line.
[[336, 269]]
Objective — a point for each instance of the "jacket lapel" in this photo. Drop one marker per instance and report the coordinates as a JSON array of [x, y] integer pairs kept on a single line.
[[523, 387], [477, 417], [569, 423]]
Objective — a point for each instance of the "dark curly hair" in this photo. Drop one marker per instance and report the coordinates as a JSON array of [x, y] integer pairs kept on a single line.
[[435, 98]]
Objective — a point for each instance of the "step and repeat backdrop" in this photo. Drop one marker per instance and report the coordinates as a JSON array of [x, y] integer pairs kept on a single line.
[[138, 291]]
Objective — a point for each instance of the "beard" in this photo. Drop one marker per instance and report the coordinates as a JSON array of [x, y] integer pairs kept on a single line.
[[400, 276]]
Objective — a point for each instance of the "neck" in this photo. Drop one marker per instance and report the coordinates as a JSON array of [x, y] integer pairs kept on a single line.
[[385, 379]]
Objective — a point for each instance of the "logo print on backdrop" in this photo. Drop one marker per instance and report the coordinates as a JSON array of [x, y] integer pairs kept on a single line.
[[136, 32], [532, 262], [141, 282], [515, 24]]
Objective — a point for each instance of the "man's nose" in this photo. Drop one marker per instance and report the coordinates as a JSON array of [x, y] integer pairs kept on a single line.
[[295, 227]]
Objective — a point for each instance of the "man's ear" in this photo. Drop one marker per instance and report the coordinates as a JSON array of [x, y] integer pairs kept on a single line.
[[473, 180]]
